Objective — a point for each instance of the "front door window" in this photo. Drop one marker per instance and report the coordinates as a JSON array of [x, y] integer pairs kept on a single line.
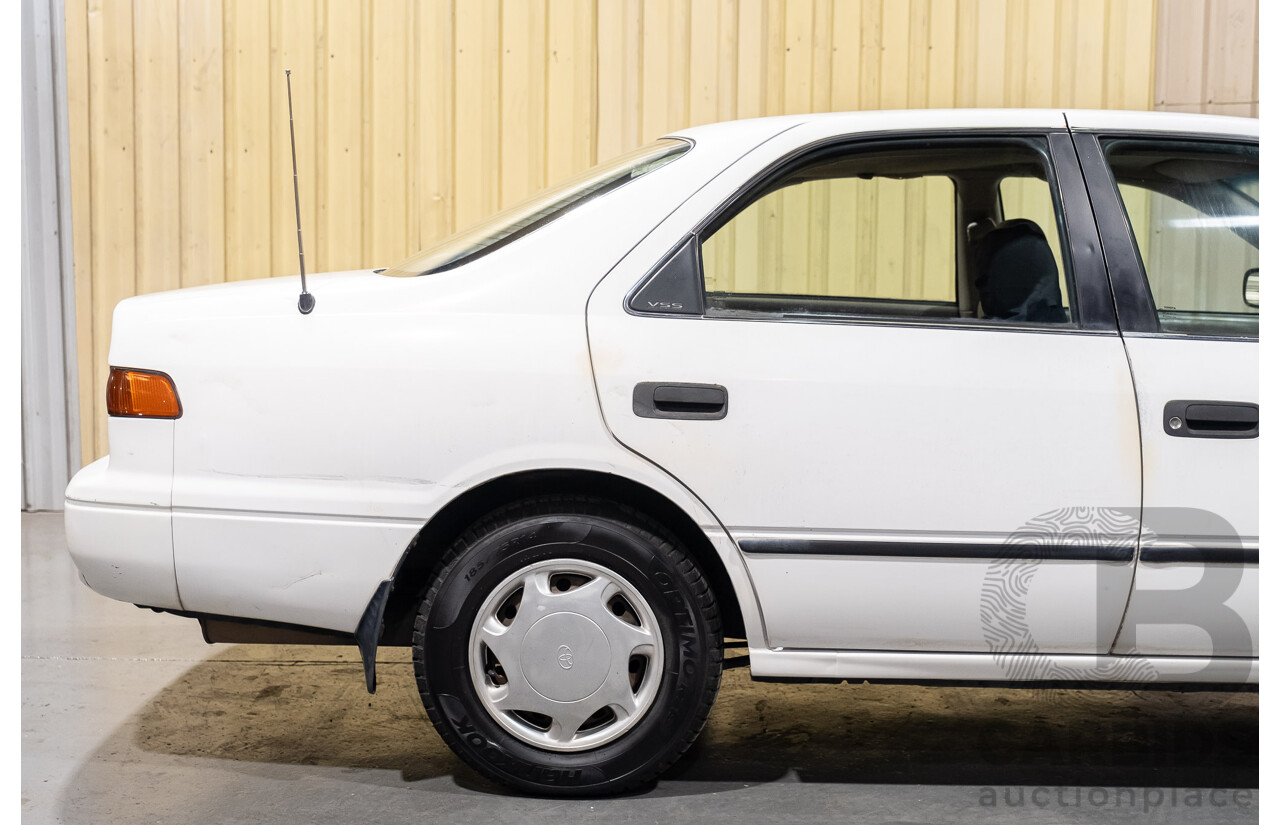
[[1193, 208]]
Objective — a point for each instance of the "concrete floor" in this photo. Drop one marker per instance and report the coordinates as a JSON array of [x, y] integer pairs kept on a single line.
[[129, 717]]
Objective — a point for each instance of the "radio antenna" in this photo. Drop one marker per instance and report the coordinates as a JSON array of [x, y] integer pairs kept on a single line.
[[306, 301]]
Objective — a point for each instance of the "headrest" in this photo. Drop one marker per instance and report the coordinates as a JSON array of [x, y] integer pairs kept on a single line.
[[1017, 275]]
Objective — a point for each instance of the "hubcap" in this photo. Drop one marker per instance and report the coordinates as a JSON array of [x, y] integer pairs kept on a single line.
[[566, 655]]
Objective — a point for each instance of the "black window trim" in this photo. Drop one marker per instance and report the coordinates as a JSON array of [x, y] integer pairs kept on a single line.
[[1092, 313], [1135, 306]]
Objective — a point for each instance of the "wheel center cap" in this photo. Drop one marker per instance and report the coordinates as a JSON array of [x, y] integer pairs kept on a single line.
[[565, 657]]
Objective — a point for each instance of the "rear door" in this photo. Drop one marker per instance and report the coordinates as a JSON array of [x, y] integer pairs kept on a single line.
[[1179, 215], [910, 456]]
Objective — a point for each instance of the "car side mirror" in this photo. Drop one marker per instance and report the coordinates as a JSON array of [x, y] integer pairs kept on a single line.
[[1250, 289]]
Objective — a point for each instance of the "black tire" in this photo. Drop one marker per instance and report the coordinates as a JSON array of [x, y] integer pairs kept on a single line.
[[630, 545]]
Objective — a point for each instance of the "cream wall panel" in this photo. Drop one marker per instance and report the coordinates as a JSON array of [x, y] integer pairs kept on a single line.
[[155, 136], [341, 159], [571, 88], [433, 141], [247, 86], [112, 205], [523, 105], [415, 117], [295, 49], [475, 115], [201, 177], [390, 114], [1207, 57]]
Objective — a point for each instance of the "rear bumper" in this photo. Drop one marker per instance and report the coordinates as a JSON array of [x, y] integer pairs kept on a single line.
[[122, 550]]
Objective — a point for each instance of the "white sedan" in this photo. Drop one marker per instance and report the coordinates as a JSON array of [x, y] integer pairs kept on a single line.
[[963, 396]]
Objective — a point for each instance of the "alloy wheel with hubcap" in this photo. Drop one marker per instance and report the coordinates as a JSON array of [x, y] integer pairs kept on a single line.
[[563, 654], [568, 646]]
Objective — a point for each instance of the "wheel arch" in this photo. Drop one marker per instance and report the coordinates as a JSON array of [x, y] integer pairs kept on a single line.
[[417, 567]]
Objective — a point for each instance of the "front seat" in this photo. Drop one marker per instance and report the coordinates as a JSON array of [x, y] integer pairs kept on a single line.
[[1017, 276]]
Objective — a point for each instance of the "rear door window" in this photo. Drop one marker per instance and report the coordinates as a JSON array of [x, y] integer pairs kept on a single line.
[[913, 231]]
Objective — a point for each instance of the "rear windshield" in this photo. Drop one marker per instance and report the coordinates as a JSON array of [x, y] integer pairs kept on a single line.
[[538, 211]]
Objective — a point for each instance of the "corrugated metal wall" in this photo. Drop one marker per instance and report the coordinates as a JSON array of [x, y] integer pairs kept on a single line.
[[418, 118], [1207, 57]]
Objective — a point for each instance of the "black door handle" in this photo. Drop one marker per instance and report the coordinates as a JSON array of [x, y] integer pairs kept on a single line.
[[1211, 419], [670, 399]]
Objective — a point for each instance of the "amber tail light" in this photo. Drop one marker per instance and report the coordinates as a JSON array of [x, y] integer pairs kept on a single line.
[[142, 394]]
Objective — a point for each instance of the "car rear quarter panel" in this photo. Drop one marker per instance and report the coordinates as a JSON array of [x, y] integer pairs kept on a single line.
[[313, 448]]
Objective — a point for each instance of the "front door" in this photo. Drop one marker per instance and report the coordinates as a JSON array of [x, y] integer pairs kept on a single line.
[[900, 389], [1189, 255]]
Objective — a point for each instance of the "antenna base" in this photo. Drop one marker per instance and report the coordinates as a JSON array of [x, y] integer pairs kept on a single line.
[[306, 303]]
